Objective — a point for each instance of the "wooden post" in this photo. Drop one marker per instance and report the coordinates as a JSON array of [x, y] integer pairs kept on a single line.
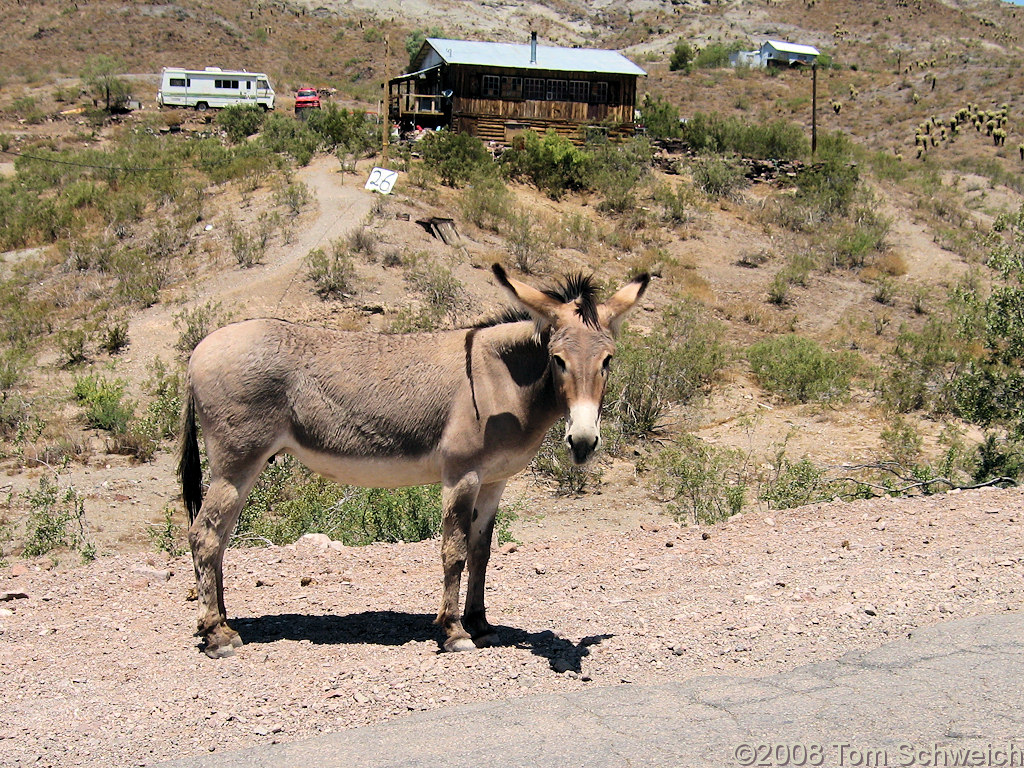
[[814, 109], [385, 101]]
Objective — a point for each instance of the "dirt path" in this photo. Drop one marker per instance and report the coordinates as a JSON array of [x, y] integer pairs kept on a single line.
[[100, 668]]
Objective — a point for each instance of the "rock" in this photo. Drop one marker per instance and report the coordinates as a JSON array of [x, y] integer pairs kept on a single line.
[[314, 541], [19, 569], [5, 596], [509, 547], [153, 574], [870, 610], [540, 569], [306, 581]]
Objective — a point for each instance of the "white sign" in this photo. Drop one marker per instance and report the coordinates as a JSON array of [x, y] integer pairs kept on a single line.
[[382, 180]]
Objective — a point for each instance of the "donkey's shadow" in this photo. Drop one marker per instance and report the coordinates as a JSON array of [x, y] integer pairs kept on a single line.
[[399, 628]]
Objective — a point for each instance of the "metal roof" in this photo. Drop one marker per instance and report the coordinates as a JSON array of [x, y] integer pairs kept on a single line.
[[782, 45], [518, 55]]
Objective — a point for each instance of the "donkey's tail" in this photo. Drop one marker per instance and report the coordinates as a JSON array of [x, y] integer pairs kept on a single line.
[[190, 470]]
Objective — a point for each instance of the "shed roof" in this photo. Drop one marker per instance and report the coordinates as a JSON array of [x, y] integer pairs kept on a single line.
[[782, 45], [549, 58]]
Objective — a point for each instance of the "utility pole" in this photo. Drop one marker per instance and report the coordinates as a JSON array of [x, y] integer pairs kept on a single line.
[[385, 102], [814, 109]]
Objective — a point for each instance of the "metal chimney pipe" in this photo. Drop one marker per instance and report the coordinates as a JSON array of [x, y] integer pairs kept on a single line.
[[533, 47]]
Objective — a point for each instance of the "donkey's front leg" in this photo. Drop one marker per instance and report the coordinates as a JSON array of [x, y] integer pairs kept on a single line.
[[458, 500], [481, 530]]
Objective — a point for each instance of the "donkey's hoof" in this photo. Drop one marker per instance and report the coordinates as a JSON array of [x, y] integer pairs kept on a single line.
[[219, 651], [457, 644]]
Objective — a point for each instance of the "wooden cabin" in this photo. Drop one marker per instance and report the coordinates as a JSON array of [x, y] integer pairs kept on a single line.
[[498, 90]]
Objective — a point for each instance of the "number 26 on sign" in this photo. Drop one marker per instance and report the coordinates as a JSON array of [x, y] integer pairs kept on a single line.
[[382, 180]]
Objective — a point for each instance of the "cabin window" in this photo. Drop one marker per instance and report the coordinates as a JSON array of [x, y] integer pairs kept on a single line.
[[579, 90], [492, 86], [599, 93], [534, 88], [177, 82], [511, 87], [558, 90], [228, 84]]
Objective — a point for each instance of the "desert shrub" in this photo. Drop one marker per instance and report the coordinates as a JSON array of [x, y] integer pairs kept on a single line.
[[362, 240], [288, 501], [714, 55], [799, 370], [114, 338], [676, 363], [524, 241], [196, 324], [294, 196], [104, 402], [249, 242], [679, 204], [443, 292], [487, 202], [168, 536], [998, 457], [71, 343], [332, 274], [351, 132], [916, 375], [240, 121], [56, 519], [615, 170], [718, 176], [660, 118], [682, 56], [775, 139], [553, 461], [856, 241], [794, 484], [829, 186], [903, 444], [553, 163], [284, 134], [456, 157], [706, 484]]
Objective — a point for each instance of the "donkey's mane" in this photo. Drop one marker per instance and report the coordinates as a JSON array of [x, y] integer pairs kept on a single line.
[[576, 287]]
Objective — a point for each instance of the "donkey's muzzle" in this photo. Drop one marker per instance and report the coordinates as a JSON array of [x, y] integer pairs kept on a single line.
[[581, 448]]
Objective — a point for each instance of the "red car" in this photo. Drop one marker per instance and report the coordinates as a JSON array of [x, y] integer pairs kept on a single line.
[[307, 98]]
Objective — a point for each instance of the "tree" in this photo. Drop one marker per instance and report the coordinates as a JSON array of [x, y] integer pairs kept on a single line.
[[100, 74], [682, 57], [660, 118], [414, 41]]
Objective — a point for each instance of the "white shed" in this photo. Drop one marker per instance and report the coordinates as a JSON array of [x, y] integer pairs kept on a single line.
[[789, 54]]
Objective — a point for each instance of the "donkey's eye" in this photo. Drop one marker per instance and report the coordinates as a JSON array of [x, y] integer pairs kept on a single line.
[[559, 363], [606, 366]]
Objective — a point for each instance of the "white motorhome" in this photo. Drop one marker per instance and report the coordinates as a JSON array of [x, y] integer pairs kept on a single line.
[[214, 88]]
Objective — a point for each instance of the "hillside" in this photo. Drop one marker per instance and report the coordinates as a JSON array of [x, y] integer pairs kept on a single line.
[[898, 65]]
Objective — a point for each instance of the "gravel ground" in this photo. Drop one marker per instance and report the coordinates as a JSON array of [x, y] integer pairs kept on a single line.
[[99, 665]]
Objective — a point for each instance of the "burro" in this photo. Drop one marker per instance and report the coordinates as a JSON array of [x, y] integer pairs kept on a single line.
[[467, 408]]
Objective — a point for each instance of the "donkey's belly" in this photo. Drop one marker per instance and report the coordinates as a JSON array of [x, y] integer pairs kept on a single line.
[[370, 472]]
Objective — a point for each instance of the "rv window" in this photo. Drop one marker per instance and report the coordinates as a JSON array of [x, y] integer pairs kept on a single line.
[[262, 84], [492, 86], [534, 88], [248, 84], [177, 82], [231, 84]]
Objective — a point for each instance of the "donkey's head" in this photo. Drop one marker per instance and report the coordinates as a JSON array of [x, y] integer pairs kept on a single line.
[[581, 344]]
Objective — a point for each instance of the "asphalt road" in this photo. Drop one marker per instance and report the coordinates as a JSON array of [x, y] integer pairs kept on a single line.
[[948, 695]]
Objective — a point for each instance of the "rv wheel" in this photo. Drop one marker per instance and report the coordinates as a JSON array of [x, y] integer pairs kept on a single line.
[[202, 106]]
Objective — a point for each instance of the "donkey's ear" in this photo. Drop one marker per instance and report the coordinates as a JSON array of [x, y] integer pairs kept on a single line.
[[541, 307], [613, 311]]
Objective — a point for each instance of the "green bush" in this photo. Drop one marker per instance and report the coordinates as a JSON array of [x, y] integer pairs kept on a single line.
[[56, 519], [682, 56], [288, 501], [240, 121], [718, 176], [707, 484], [660, 118], [104, 403], [285, 134], [774, 139], [715, 55], [799, 370], [676, 363], [196, 324], [332, 274], [795, 484], [553, 163], [487, 202], [352, 132], [456, 157]]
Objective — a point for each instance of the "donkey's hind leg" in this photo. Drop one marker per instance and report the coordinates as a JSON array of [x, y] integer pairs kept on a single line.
[[481, 530], [208, 536]]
